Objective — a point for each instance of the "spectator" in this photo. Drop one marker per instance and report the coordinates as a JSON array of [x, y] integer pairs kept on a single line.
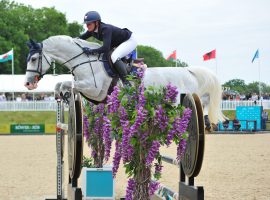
[[264, 119], [236, 124], [23, 97], [3, 97], [226, 124]]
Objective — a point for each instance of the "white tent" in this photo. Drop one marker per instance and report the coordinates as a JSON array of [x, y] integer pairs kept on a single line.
[[15, 83]]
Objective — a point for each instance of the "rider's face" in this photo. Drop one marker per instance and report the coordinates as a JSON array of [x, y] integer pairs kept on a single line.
[[91, 26]]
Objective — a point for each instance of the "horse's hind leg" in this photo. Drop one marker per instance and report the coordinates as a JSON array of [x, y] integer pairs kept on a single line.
[[205, 99]]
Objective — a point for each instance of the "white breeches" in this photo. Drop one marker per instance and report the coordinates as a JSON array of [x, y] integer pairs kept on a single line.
[[124, 49]]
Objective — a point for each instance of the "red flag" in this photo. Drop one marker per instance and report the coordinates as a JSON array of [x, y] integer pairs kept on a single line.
[[209, 55], [172, 56]]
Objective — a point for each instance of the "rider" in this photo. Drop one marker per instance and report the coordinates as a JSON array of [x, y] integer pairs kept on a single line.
[[113, 37]]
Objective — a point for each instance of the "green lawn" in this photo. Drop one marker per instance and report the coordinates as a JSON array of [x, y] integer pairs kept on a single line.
[[20, 117], [229, 113], [49, 117]]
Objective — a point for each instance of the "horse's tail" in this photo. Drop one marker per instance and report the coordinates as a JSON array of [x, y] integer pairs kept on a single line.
[[209, 84]]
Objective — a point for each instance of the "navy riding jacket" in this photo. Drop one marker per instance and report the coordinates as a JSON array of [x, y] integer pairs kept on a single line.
[[111, 36]]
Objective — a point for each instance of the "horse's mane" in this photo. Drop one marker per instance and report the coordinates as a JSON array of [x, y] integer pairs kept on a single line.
[[55, 40]]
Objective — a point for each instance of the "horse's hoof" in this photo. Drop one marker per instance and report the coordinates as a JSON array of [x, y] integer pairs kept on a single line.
[[208, 128], [66, 97]]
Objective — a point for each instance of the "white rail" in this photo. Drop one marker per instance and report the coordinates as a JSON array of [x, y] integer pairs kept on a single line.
[[52, 105], [28, 106], [231, 105]]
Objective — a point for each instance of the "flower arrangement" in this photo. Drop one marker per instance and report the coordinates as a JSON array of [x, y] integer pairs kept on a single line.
[[97, 133], [141, 120]]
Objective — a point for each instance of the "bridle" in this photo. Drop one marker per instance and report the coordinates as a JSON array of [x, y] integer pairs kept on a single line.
[[39, 67]]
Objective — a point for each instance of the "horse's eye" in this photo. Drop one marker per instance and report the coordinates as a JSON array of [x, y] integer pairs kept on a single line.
[[33, 59]]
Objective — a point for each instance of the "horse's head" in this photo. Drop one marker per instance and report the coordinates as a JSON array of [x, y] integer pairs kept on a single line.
[[37, 64]]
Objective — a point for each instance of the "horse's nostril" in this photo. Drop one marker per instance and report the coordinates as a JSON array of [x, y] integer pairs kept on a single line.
[[27, 83]]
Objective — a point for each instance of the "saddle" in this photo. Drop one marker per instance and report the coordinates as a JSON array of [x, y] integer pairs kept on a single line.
[[132, 64]]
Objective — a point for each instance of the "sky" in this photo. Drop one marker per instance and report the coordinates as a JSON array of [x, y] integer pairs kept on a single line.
[[235, 28]]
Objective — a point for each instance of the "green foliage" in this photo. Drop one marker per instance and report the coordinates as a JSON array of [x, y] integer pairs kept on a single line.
[[237, 85], [240, 86], [88, 162], [19, 23], [154, 58]]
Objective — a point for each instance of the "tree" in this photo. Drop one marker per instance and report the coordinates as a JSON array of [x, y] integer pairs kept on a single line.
[[154, 57], [237, 85], [19, 23]]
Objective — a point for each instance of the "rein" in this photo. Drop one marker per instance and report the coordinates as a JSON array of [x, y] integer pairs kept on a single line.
[[41, 55]]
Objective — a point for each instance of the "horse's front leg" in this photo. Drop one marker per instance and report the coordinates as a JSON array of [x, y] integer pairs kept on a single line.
[[57, 90], [63, 90]]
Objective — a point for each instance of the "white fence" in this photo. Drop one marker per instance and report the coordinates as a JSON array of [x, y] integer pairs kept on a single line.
[[52, 105], [28, 106], [231, 105]]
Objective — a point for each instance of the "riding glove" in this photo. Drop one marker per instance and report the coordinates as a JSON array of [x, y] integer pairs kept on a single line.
[[88, 51]]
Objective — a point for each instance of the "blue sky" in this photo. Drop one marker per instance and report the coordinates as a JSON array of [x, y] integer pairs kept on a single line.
[[235, 28]]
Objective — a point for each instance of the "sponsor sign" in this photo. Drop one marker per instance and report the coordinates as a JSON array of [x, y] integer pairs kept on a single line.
[[27, 128]]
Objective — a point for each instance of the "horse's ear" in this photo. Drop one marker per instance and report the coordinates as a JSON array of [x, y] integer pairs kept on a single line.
[[28, 43], [32, 44]]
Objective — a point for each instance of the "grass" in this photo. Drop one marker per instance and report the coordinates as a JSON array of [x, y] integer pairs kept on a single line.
[[26, 117], [229, 113], [48, 117]]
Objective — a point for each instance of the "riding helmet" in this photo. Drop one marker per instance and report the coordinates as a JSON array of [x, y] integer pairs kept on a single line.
[[91, 16]]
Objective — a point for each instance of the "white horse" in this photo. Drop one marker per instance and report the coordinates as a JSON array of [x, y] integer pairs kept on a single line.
[[93, 81]]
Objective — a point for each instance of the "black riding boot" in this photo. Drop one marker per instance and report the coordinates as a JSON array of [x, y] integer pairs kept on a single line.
[[121, 68]]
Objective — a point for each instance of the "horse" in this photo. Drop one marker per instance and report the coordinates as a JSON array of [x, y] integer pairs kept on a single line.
[[93, 82]]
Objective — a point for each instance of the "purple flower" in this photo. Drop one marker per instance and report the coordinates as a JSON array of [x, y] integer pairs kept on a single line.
[[141, 100], [181, 149], [140, 118], [173, 131], [140, 73], [179, 126], [185, 120], [100, 108], [152, 152], [171, 93], [130, 189], [161, 119], [98, 127], [158, 168], [117, 157], [153, 187], [113, 101], [86, 127], [123, 115], [107, 137], [127, 149]]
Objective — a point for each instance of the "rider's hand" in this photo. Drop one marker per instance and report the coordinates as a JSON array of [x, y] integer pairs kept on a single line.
[[88, 51]]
